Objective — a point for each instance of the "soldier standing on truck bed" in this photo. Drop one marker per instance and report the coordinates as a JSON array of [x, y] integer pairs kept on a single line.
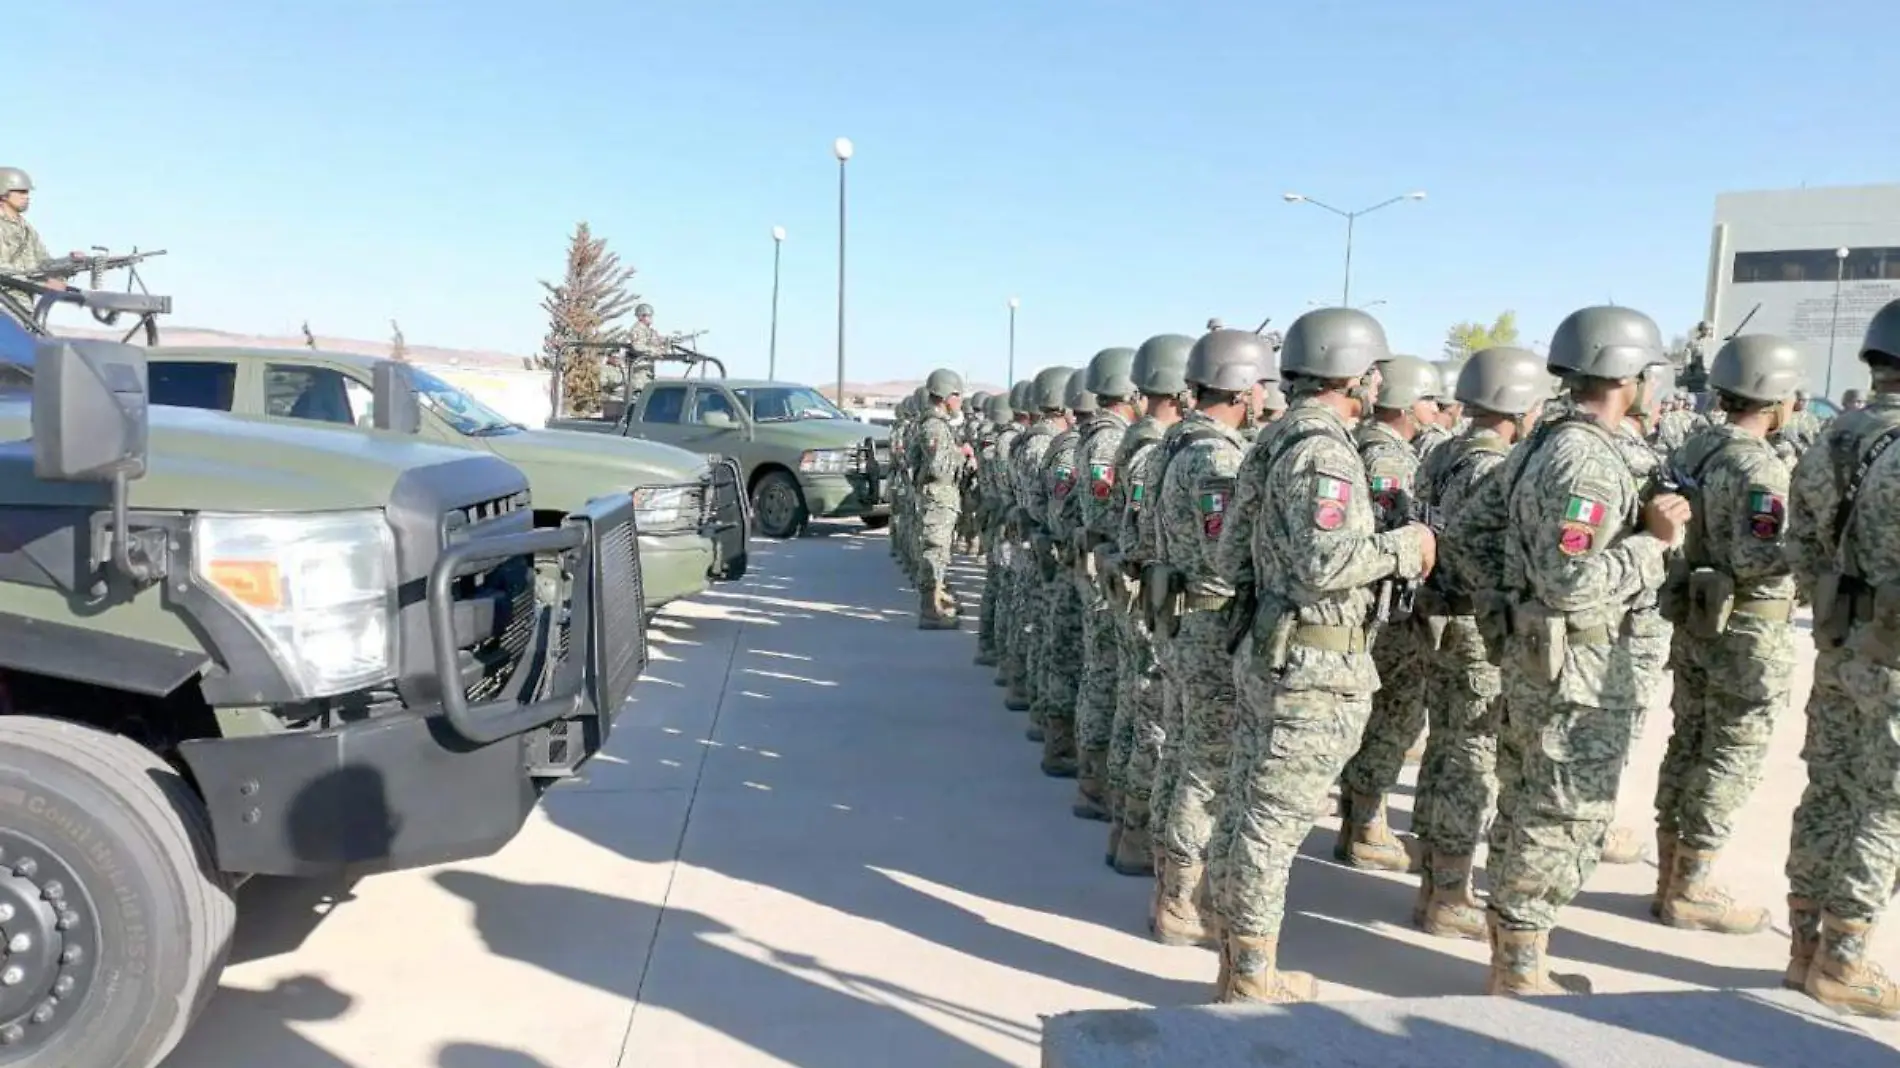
[[21, 250]]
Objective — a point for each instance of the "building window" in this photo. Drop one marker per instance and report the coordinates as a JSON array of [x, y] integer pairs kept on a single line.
[[1816, 265]]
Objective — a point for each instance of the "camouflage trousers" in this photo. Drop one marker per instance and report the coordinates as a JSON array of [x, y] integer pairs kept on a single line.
[[1289, 748], [1458, 777], [936, 531], [1021, 608], [1101, 654], [1171, 733], [1559, 766], [1729, 691], [993, 618], [1845, 846], [1058, 658], [1398, 713], [1209, 706], [1134, 748]]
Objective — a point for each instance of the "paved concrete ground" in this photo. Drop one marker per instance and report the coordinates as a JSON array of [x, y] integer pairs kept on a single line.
[[818, 839]]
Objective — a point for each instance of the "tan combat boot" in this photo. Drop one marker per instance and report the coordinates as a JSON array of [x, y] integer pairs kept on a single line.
[[1695, 903], [1017, 699], [1665, 870], [1804, 927], [1089, 802], [930, 613], [1178, 916], [1842, 976], [1134, 851], [1622, 846], [1058, 748], [1365, 839], [1254, 973], [1452, 910], [1422, 902], [1520, 965]]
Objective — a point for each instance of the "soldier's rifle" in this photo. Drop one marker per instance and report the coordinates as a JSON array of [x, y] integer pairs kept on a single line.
[[32, 301], [106, 311], [94, 266]]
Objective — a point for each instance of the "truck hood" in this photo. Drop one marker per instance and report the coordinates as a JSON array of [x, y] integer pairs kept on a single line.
[[819, 433], [625, 462], [215, 462]]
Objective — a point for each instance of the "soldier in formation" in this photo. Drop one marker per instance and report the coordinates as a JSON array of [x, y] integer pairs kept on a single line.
[[1110, 380], [937, 460]]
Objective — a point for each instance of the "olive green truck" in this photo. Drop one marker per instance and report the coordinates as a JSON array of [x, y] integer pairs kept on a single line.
[[235, 646]]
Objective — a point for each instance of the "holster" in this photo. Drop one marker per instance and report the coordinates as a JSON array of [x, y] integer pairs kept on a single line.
[[1711, 601], [1431, 613], [1834, 607], [1240, 613], [1045, 551], [1672, 601], [1492, 610], [1546, 638], [1162, 589], [1273, 641]]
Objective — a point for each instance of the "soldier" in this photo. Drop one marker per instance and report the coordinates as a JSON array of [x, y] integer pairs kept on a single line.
[[1851, 401], [1674, 424], [971, 431], [1800, 431], [1406, 404], [1843, 515], [1159, 374], [1731, 597], [1005, 540], [1001, 429], [1300, 539], [1059, 676], [1580, 550], [937, 460], [1046, 398], [1272, 402], [900, 499], [1109, 379], [21, 250], [1503, 388], [1444, 417], [1196, 470]]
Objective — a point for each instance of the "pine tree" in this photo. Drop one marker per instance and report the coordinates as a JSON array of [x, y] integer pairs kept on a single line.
[[584, 307], [309, 339], [398, 348]]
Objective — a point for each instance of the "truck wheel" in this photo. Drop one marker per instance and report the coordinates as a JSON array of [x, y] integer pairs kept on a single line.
[[778, 505], [734, 569], [115, 916], [875, 522]]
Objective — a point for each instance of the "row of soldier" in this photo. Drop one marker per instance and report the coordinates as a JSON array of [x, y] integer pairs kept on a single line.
[[1217, 607]]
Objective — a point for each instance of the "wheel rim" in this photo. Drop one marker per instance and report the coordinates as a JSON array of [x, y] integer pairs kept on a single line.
[[48, 950], [777, 505]]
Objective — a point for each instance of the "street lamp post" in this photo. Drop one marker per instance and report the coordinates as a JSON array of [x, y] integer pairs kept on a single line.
[[1840, 273], [1013, 305], [778, 242], [1351, 217], [842, 149]]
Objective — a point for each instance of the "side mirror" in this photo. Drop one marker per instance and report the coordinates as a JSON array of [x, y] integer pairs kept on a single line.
[[719, 420], [89, 411], [397, 405]]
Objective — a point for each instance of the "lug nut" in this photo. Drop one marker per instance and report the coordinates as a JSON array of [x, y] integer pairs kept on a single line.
[[12, 976], [11, 1033], [73, 955], [43, 1013], [26, 867], [6, 912], [63, 985], [52, 891], [20, 943], [68, 919]]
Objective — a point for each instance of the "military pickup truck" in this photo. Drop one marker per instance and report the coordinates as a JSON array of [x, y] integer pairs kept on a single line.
[[691, 513], [231, 647], [801, 457]]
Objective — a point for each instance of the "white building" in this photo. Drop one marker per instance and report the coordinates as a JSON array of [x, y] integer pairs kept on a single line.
[[1778, 254]]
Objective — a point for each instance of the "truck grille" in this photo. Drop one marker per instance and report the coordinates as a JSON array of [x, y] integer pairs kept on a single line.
[[621, 605]]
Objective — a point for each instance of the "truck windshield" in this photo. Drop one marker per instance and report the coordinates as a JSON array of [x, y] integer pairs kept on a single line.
[[463, 412], [784, 404]]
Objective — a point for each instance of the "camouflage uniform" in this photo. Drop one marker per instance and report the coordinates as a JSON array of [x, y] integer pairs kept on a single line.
[[900, 482], [1135, 739], [1171, 730], [20, 247], [1430, 437], [936, 462], [1025, 474], [1101, 638], [992, 509], [1674, 428], [1059, 652]]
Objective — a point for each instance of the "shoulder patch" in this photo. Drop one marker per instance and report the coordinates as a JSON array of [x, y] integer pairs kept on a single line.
[[1575, 538], [1583, 511], [1212, 504], [1101, 480], [1765, 511]]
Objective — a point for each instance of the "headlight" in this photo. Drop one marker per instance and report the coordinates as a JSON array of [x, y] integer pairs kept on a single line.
[[825, 461], [319, 589], [660, 506]]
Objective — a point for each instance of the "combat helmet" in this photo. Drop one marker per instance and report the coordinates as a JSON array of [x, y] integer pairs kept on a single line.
[[1333, 343], [1051, 387], [941, 384], [642, 309], [1503, 380], [1076, 396], [1406, 380], [1606, 341], [1230, 361], [979, 403], [1756, 367], [15, 180], [1883, 332], [1022, 396], [1000, 409], [1160, 367], [1111, 374]]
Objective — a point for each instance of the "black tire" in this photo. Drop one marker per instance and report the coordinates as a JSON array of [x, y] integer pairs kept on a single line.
[[129, 842], [735, 568], [778, 505], [875, 522]]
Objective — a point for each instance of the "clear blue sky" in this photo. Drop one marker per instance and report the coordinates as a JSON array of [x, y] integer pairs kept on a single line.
[[1116, 164]]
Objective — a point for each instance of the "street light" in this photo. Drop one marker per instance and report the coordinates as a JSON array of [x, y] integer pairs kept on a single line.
[[778, 242], [1840, 272], [842, 149], [1368, 304], [1351, 217], [1013, 305]]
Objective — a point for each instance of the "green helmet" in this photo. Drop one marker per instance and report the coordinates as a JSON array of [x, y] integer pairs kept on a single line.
[[642, 309], [1111, 373], [905, 407], [1333, 343], [1022, 396], [1503, 379], [14, 180], [980, 403], [1230, 360], [1447, 381], [999, 409], [941, 384], [1051, 386], [1406, 380], [1757, 367], [1076, 396], [1606, 341], [1160, 367], [1883, 332]]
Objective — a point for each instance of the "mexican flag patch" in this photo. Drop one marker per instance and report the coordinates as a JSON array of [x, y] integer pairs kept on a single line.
[[1101, 480], [1584, 510], [1213, 513], [1332, 489], [1381, 483]]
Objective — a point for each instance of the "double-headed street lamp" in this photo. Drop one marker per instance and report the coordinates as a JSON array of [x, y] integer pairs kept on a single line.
[[842, 149], [1013, 305], [778, 242], [1345, 298]]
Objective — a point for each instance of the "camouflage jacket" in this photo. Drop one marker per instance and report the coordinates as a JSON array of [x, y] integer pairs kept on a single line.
[[1134, 474], [1025, 470], [936, 458], [1196, 484], [1058, 479], [1391, 473], [1738, 487], [20, 247], [993, 471], [1429, 438], [1830, 534], [1448, 481], [1095, 456]]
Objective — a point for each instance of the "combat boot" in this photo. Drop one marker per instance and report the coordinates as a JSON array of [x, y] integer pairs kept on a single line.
[[1804, 928], [1178, 917], [930, 614], [1842, 976], [1665, 870], [1114, 839], [1089, 803], [1520, 965], [1452, 910], [1695, 903], [986, 658], [1254, 973], [1134, 851], [1422, 901], [1017, 700], [1365, 839], [1058, 748], [1622, 846]]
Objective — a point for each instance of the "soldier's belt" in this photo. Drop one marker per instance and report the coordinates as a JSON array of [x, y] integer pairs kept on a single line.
[[1330, 638], [1776, 610], [1206, 602]]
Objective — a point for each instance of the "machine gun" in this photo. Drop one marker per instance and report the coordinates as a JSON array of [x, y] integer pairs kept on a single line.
[[627, 354], [31, 302], [94, 266], [108, 306], [1397, 597]]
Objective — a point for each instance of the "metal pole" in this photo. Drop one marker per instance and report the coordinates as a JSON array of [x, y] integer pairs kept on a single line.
[[1345, 296], [771, 366], [1012, 344], [1840, 271], [841, 283]]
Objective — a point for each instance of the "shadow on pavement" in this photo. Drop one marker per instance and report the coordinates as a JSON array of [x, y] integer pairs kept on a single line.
[[476, 1055], [244, 1028]]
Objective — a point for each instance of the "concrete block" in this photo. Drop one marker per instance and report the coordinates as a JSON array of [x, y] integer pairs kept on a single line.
[[1690, 1029]]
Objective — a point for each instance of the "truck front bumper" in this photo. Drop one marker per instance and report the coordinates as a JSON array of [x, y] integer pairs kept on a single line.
[[675, 566], [843, 496]]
